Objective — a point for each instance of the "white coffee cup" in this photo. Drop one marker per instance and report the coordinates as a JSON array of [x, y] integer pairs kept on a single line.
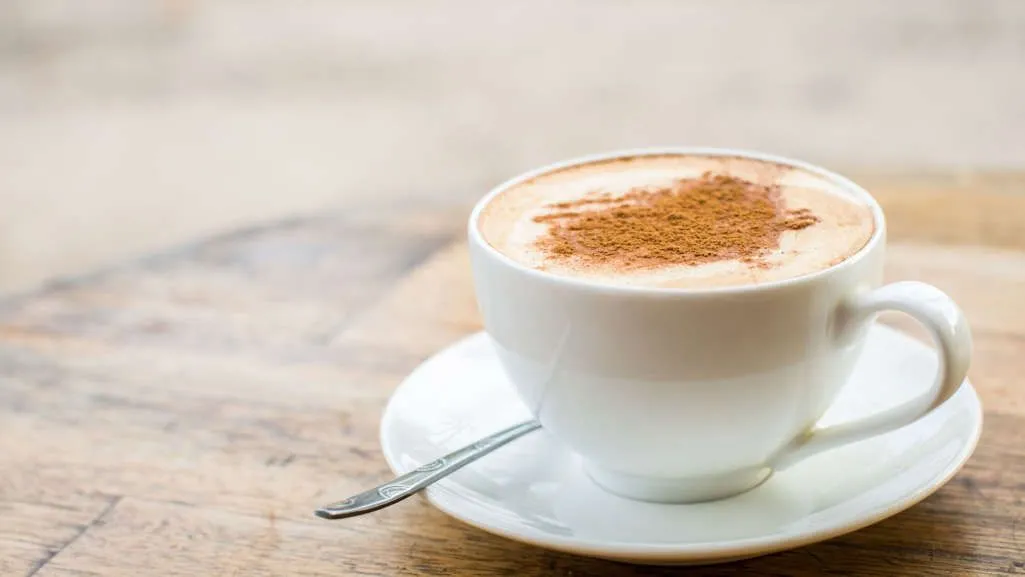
[[683, 395]]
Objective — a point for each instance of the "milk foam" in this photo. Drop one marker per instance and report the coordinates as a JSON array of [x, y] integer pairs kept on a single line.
[[845, 222]]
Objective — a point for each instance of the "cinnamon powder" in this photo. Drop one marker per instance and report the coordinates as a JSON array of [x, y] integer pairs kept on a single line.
[[693, 221]]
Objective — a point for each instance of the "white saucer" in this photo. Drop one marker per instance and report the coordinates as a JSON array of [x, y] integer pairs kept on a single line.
[[535, 491]]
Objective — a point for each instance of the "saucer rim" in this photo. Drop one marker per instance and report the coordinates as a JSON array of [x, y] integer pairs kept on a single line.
[[706, 552]]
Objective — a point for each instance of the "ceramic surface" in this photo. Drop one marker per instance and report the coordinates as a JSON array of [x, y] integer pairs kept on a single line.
[[536, 490], [735, 379]]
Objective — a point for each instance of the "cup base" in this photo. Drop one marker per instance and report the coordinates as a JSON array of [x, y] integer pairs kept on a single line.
[[678, 490]]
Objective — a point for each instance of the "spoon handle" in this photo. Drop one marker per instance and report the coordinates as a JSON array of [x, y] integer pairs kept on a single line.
[[412, 482]]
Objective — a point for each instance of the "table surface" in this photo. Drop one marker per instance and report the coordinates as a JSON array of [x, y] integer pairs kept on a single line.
[[183, 414]]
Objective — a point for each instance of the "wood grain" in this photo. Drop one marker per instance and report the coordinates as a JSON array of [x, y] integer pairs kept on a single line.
[[182, 415]]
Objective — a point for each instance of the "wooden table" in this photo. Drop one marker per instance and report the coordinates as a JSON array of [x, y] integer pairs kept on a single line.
[[183, 415]]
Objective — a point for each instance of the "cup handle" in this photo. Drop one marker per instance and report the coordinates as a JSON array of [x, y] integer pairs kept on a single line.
[[943, 319]]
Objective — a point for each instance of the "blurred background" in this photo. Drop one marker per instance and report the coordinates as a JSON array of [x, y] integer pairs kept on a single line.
[[131, 125]]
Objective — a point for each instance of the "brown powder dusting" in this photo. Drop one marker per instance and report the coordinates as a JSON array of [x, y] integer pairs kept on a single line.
[[693, 221]]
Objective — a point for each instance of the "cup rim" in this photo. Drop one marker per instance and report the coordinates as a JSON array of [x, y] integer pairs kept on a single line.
[[847, 184]]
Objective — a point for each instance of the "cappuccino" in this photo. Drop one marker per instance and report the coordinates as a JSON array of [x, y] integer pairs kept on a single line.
[[678, 221]]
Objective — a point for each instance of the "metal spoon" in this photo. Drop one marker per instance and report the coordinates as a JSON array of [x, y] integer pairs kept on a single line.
[[419, 478]]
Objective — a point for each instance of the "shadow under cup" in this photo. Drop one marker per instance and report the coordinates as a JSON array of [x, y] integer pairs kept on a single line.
[[677, 395]]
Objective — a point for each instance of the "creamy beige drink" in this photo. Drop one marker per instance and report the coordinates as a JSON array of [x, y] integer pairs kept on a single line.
[[678, 221]]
